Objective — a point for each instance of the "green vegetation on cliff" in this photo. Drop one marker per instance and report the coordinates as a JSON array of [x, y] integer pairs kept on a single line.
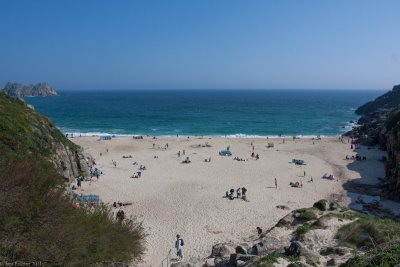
[[37, 223], [388, 100]]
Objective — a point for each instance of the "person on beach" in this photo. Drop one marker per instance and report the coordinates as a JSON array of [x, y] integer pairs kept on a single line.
[[259, 231], [120, 216], [179, 247], [238, 194], [179, 153], [79, 182], [244, 190], [184, 152], [304, 173], [276, 184]]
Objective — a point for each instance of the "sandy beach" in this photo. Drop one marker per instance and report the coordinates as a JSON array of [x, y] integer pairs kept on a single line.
[[189, 199]]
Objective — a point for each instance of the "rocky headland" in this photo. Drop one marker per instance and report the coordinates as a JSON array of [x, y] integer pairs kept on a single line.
[[33, 90]]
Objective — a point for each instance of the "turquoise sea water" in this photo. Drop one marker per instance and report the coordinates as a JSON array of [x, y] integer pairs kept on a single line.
[[205, 112]]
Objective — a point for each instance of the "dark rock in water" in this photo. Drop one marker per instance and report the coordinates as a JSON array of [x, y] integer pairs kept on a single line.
[[19, 90]]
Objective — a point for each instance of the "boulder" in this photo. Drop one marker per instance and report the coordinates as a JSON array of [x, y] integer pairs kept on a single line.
[[240, 250], [258, 248], [210, 262], [182, 264], [222, 250], [331, 262], [236, 259], [294, 249]]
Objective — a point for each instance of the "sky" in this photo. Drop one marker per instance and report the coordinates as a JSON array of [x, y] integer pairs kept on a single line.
[[201, 44]]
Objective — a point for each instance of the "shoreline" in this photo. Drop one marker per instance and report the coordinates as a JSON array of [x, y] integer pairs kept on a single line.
[[182, 136], [172, 198]]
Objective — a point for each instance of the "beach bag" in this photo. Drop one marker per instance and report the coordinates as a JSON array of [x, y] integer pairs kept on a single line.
[[182, 242]]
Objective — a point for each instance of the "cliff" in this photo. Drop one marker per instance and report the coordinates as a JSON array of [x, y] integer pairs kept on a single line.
[[19, 90], [38, 224], [380, 124], [22, 129]]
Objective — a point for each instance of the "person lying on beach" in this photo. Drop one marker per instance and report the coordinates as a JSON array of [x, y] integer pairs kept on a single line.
[[127, 157], [328, 176], [296, 184], [142, 167], [135, 163]]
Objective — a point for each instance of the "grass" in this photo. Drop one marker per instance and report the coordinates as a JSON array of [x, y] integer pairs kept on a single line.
[[306, 214], [384, 257], [37, 222], [379, 237], [368, 232], [268, 261]]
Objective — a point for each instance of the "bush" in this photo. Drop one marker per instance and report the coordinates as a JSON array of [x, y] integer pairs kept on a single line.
[[38, 223], [369, 232], [269, 260], [321, 204], [301, 231], [306, 214], [385, 257], [282, 223]]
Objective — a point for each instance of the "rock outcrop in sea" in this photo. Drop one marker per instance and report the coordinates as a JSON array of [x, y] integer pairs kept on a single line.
[[18, 90]]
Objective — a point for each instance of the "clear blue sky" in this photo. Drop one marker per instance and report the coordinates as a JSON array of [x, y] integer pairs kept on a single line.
[[201, 44]]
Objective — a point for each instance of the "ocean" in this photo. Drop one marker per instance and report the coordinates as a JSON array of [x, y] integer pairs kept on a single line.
[[230, 113]]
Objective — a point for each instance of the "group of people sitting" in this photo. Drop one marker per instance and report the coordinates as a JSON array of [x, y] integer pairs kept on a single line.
[[356, 157], [238, 159], [136, 175], [296, 184], [240, 193], [142, 167], [95, 172], [256, 156], [187, 160], [120, 204]]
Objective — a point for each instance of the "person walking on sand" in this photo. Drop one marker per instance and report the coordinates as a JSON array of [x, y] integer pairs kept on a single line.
[[179, 247], [276, 183], [244, 190]]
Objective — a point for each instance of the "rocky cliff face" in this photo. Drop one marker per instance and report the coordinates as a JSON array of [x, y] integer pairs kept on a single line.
[[22, 129], [390, 136], [19, 90], [380, 124]]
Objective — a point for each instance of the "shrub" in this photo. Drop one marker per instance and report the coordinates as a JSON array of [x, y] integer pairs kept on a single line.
[[321, 204], [369, 232], [306, 214], [38, 223]]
